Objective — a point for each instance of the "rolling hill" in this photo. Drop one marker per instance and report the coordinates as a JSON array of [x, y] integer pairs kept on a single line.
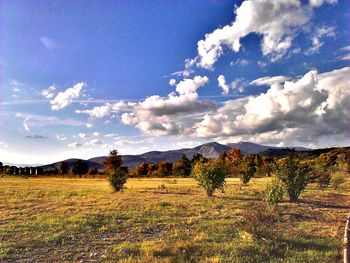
[[209, 150]]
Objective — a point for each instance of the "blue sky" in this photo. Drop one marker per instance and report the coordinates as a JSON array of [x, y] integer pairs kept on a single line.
[[80, 78]]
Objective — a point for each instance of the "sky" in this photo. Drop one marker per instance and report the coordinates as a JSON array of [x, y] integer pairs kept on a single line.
[[79, 78]]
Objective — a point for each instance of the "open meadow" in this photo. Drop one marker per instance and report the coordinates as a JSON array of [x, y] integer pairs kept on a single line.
[[165, 220]]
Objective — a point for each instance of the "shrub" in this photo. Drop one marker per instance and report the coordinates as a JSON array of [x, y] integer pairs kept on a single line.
[[117, 178], [210, 175], [273, 193], [337, 179], [292, 175], [247, 168]]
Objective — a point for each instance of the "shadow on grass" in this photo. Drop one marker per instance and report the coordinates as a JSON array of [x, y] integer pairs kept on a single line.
[[320, 204]]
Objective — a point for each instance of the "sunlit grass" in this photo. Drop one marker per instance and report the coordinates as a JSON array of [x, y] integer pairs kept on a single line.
[[162, 220]]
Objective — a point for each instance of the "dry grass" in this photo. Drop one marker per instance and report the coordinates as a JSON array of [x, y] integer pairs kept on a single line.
[[160, 220]]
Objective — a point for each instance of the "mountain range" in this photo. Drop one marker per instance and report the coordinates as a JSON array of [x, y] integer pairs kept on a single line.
[[209, 150]]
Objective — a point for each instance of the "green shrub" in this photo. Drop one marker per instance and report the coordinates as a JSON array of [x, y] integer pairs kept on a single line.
[[117, 178], [293, 176], [273, 192], [210, 175], [337, 179], [247, 168]]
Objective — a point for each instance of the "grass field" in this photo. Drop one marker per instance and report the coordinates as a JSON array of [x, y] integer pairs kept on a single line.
[[58, 219]]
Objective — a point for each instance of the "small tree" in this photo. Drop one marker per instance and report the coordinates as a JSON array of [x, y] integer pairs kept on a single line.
[[93, 171], [64, 168], [113, 161], [292, 175], [117, 174], [247, 168], [337, 179], [273, 192], [210, 175], [80, 168], [117, 178], [183, 166]]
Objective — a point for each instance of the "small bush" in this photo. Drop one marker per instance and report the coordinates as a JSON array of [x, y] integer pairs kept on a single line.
[[273, 193], [117, 178], [210, 175], [337, 179]]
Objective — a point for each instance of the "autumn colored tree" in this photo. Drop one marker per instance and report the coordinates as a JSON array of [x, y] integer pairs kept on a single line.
[[113, 161], [142, 169], [233, 160], [247, 168], [183, 166]]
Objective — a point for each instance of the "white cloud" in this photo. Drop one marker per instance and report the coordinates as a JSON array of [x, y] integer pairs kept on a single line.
[[172, 82], [269, 80], [63, 99], [303, 110], [158, 115], [99, 111], [49, 43], [223, 85], [316, 37], [61, 137], [41, 121], [75, 145], [277, 21], [317, 3], [49, 93], [239, 62]]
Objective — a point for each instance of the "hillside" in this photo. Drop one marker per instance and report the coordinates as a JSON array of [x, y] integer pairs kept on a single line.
[[209, 150]]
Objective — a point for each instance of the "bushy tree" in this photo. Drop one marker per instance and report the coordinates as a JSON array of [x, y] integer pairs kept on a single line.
[[210, 175], [233, 161], [273, 192], [93, 171], [183, 166], [113, 161], [142, 169], [117, 174], [337, 179], [117, 178], [80, 167], [247, 168], [293, 176], [198, 157], [64, 168]]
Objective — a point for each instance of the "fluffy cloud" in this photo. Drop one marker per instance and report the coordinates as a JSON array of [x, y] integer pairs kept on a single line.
[[64, 98], [317, 3], [236, 84], [277, 21], [49, 93], [302, 110], [158, 115]]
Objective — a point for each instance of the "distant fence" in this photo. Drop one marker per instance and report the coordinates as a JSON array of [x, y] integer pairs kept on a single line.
[[347, 241]]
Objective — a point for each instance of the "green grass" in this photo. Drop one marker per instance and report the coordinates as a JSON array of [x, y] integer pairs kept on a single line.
[[162, 220]]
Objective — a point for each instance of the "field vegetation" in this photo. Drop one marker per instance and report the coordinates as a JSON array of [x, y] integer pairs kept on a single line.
[[166, 220]]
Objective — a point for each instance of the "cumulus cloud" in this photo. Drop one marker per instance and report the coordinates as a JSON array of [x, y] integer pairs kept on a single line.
[[158, 115], [277, 21], [317, 3], [49, 93], [302, 110], [64, 98], [237, 84]]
